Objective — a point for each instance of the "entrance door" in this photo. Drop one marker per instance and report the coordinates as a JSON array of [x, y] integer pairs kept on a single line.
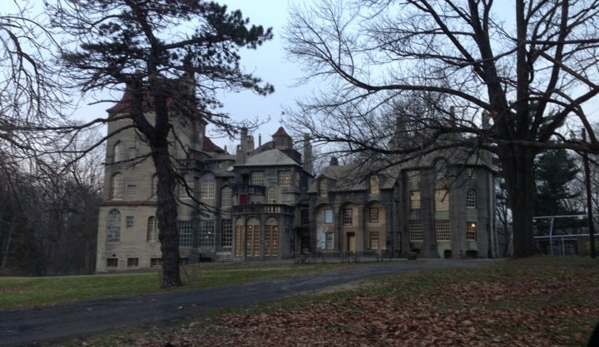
[[351, 242]]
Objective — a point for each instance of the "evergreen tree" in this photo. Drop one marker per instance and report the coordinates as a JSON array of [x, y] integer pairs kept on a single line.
[[554, 171]]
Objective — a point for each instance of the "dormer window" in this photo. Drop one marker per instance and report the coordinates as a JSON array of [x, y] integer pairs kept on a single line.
[[323, 187]]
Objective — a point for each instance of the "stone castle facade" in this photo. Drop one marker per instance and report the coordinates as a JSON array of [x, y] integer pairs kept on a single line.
[[264, 202]]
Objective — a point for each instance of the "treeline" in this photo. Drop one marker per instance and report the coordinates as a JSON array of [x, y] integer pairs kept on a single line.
[[49, 216]]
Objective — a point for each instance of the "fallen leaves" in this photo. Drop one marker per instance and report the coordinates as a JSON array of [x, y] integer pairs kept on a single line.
[[503, 311]]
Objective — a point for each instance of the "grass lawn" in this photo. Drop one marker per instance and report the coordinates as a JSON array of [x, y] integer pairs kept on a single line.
[[533, 302], [24, 292]]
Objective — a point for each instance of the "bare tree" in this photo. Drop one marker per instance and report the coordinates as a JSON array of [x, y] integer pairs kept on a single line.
[[172, 57], [528, 67]]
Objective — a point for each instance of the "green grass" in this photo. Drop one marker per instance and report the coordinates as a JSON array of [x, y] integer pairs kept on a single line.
[[26, 292]]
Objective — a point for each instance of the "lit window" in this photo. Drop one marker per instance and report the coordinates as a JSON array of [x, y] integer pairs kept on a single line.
[[441, 200], [257, 178], [442, 230], [374, 215], [113, 226], [206, 233], [347, 216], [285, 178], [117, 186], [252, 238], [271, 240], [416, 231], [272, 195], [471, 198], [471, 234], [152, 229], [374, 185], [323, 187], [185, 233], [415, 200]]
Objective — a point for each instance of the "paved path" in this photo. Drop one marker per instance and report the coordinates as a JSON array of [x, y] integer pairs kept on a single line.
[[49, 324]]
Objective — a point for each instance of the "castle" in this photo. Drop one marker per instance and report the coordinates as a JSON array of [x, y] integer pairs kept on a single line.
[[264, 202]]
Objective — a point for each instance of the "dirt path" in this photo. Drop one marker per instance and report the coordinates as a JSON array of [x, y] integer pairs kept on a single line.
[[49, 324]]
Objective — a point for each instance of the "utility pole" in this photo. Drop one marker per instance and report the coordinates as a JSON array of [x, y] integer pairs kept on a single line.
[[587, 183]]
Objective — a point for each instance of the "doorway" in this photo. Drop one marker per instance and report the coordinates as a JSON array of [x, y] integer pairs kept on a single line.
[[351, 242]]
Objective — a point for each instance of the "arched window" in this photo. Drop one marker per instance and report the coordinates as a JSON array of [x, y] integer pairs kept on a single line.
[[271, 238], [118, 152], [117, 186], [152, 229], [208, 187], [252, 238], [374, 185], [154, 185], [471, 198], [272, 195], [323, 187], [113, 226], [226, 196]]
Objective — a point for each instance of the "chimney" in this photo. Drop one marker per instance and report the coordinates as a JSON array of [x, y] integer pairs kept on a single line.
[[308, 154]]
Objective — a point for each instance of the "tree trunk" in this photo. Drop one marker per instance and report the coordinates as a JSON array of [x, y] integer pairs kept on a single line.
[[166, 213], [518, 168]]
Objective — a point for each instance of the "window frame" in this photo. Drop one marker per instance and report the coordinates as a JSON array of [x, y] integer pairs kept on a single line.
[[348, 216]]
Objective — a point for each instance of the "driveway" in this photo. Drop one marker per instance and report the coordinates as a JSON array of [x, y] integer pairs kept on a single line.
[[38, 327]]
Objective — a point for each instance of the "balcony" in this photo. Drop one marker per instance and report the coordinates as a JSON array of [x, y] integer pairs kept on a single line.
[[256, 209], [249, 189]]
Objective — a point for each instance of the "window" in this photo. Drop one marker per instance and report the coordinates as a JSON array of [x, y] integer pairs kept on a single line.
[[185, 233], [152, 229], [132, 262], [154, 185], [471, 234], [374, 185], [206, 237], [285, 178], [470, 173], [272, 195], [238, 240], [304, 217], [374, 239], [112, 262], [347, 216], [113, 226], [416, 231], [323, 187], [441, 200], [414, 177], [252, 238], [132, 190], [118, 152], [415, 200], [328, 216], [226, 227], [442, 230], [129, 221], [117, 186], [329, 241], [271, 240], [257, 178], [471, 198], [188, 188], [298, 179], [208, 187], [226, 196], [374, 215], [155, 262]]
